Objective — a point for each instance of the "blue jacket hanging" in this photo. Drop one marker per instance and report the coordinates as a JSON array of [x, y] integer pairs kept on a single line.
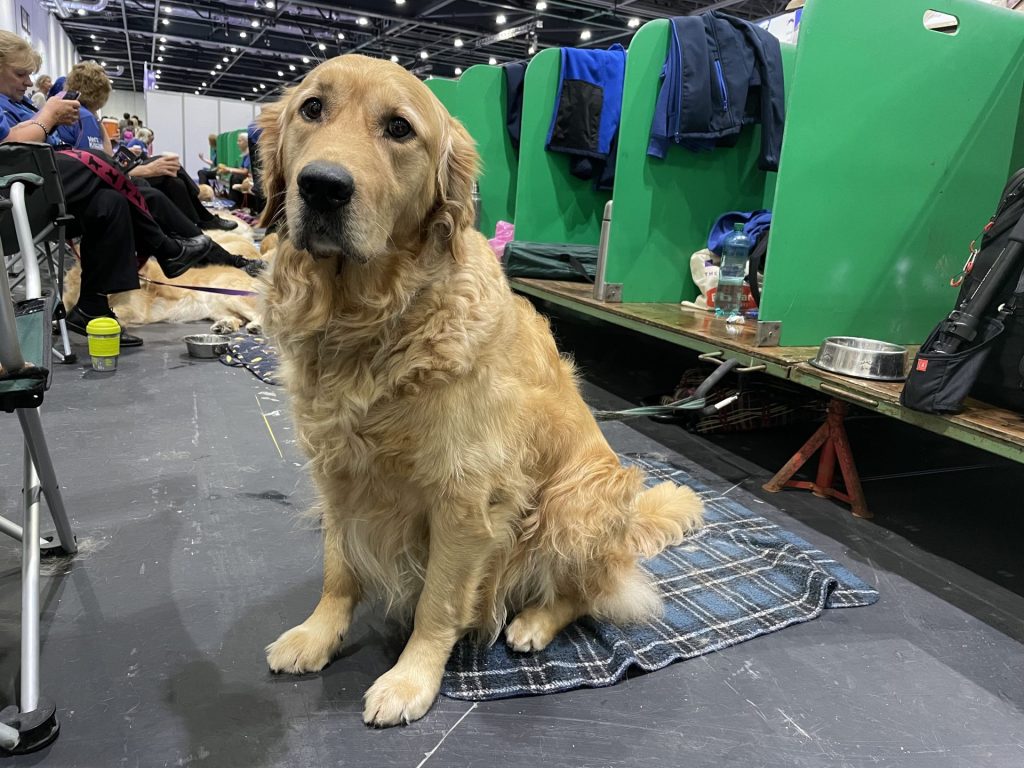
[[721, 73], [585, 122], [515, 76]]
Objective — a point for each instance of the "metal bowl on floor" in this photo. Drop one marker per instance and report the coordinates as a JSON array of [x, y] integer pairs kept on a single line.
[[208, 346], [862, 358]]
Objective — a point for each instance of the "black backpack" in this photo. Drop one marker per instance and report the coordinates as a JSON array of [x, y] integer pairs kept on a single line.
[[978, 349]]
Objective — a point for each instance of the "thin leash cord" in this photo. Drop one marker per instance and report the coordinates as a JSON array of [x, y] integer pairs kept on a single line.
[[204, 289], [688, 404]]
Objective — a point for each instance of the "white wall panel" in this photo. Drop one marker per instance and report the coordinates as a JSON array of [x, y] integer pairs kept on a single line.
[[202, 117], [165, 116], [125, 101], [235, 115]]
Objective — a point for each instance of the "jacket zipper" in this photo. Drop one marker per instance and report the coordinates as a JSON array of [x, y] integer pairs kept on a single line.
[[721, 85]]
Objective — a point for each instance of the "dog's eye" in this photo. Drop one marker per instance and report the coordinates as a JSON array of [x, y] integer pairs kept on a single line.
[[399, 128], [311, 109]]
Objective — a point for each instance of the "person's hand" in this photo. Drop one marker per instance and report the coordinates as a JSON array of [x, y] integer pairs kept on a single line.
[[163, 165], [221, 168], [57, 111]]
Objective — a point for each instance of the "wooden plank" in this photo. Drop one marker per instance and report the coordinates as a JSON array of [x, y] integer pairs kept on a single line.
[[981, 425], [686, 323]]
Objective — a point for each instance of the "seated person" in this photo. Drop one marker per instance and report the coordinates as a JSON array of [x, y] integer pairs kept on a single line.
[[111, 215], [208, 174], [240, 174]]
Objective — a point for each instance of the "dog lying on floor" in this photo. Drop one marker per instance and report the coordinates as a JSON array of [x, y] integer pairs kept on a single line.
[[155, 303], [461, 476]]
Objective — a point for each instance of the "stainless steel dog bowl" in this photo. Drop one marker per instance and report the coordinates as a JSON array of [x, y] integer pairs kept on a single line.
[[863, 358], [208, 346]]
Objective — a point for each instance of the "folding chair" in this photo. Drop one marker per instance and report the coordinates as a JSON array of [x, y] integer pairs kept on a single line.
[[25, 356], [48, 219]]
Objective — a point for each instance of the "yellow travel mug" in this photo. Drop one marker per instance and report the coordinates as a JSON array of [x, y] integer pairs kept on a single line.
[[104, 343]]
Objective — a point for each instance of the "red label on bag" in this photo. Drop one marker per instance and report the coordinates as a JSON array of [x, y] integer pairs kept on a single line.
[[922, 365]]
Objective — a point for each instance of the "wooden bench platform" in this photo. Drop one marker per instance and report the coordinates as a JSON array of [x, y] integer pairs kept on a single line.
[[983, 426]]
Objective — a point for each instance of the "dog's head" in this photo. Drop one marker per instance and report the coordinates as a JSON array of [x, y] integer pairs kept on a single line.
[[361, 159]]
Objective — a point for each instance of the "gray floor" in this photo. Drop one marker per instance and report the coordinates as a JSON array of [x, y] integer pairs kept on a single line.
[[194, 557]]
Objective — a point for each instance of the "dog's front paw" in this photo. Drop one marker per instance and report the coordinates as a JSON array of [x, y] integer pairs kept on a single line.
[[225, 325], [398, 698], [254, 326], [530, 631], [302, 649]]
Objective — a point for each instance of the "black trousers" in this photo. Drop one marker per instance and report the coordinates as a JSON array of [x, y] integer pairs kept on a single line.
[[184, 193], [207, 175]]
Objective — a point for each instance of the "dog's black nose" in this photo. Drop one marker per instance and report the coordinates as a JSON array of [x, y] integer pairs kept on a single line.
[[326, 187]]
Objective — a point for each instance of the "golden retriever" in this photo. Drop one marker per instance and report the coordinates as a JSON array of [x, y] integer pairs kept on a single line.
[[154, 303], [461, 476]]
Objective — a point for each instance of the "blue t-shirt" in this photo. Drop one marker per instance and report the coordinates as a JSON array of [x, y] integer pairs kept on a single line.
[[14, 112], [85, 134], [245, 161]]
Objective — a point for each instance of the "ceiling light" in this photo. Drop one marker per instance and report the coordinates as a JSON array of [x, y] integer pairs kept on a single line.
[[213, 72], [362, 21], [585, 34], [225, 59], [394, 59], [165, 22], [305, 59], [197, 93], [399, 2], [103, 63], [167, 9], [163, 39], [532, 50], [458, 42], [633, 23], [254, 23], [291, 67], [243, 98], [159, 71], [220, 66], [81, 12], [492, 61], [243, 34], [542, 6], [262, 86], [501, 18], [233, 49], [95, 47], [156, 87], [159, 58], [424, 55], [280, 73], [163, 48], [203, 84], [458, 70], [341, 35], [322, 47], [269, 4], [254, 89], [92, 37], [158, 77]]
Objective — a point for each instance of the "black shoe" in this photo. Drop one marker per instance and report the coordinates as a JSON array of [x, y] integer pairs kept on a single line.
[[77, 320], [218, 222], [193, 249]]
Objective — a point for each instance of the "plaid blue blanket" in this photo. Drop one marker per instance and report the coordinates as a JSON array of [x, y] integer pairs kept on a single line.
[[739, 577], [254, 353]]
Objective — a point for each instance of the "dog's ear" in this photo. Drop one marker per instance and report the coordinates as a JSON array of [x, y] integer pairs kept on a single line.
[[456, 172], [272, 122]]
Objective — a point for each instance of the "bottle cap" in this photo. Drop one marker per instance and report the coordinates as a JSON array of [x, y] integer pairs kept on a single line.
[[103, 326], [737, 227]]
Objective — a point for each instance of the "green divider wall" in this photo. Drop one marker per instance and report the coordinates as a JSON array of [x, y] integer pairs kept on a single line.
[[446, 92], [664, 209], [227, 148], [898, 141], [482, 109], [552, 205]]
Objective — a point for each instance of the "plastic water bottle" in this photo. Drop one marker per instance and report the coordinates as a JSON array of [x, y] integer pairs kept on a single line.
[[735, 253]]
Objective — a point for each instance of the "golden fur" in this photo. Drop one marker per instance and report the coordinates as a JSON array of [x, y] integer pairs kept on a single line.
[[153, 303], [461, 476]]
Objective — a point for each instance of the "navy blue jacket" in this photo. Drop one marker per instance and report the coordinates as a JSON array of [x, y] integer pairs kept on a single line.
[[721, 73]]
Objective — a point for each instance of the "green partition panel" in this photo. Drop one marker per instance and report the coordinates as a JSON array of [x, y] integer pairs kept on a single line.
[[446, 92], [482, 107], [552, 205], [227, 148], [898, 141], [664, 209]]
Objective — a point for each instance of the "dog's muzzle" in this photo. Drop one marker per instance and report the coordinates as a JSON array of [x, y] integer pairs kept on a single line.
[[326, 189]]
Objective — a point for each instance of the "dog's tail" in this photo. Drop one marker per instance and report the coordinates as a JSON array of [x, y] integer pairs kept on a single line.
[[664, 515]]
